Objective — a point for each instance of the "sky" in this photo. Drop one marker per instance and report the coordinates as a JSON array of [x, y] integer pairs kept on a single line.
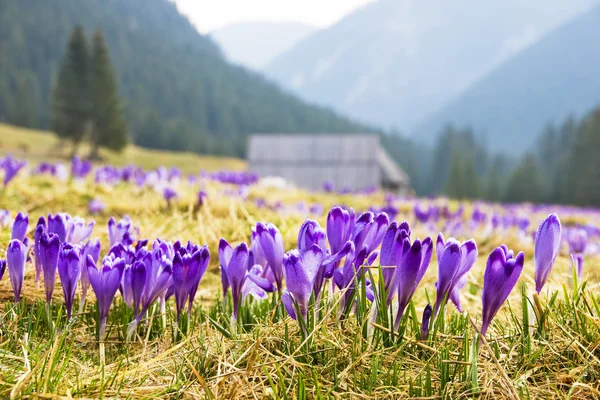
[[209, 15]]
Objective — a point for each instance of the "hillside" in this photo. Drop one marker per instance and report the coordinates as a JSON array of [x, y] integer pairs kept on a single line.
[[179, 91], [38, 146], [255, 44], [393, 63], [544, 83]]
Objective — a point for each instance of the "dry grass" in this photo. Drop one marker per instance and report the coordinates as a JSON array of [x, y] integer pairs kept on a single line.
[[271, 360]]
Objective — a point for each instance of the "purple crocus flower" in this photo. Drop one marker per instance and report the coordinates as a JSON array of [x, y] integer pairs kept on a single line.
[[69, 271], [502, 272], [391, 252], [270, 243], [300, 271], [79, 231], [234, 267], [39, 230], [340, 224], [425, 321], [545, 250], [169, 194], [188, 270], [4, 218], [2, 268], [48, 255], [138, 283], [16, 255], [455, 260], [92, 248], [413, 265], [105, 282], [577, 239], [96, 206], [202, 196], [19, 228], [11, 169], [57, 224], [118, 232]]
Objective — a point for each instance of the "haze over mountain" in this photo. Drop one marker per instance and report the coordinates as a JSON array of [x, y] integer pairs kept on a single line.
[[394, 63], [545, 83], [255, 44]]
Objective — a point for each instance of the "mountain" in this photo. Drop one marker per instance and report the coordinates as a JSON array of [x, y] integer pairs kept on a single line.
[[545, 83], [255, 44], [179, 91], [394, 62]]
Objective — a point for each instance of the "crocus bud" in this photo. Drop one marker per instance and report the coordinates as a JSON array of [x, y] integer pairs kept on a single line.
[[425, 322], [502, 272], [16, 255], [546, 247], [19, 228], [48, 254], [105, 282], [69, 271]]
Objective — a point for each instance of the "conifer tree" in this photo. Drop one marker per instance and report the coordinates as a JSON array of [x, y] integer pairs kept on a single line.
[[70, 97], [108, 124]]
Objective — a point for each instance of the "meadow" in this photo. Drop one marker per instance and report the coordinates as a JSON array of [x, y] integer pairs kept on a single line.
[[343, 343]]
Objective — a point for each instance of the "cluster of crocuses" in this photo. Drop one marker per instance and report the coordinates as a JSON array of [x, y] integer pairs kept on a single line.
[[340, 253], [142, 275], [353, 241]]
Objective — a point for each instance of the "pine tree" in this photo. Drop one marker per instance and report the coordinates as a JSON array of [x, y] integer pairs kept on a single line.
[[70, 97], [108, 124]]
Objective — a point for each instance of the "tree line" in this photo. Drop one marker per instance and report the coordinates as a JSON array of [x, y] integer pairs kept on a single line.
[[563, 166], [85, 100]]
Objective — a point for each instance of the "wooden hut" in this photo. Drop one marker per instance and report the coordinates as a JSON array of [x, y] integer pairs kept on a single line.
[[349, 161]]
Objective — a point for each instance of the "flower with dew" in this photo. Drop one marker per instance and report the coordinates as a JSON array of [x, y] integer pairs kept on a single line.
[[105, 282], [48, 254], [455, 260], [545, 249], [16, 255], [69, 271], [502, 271]]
